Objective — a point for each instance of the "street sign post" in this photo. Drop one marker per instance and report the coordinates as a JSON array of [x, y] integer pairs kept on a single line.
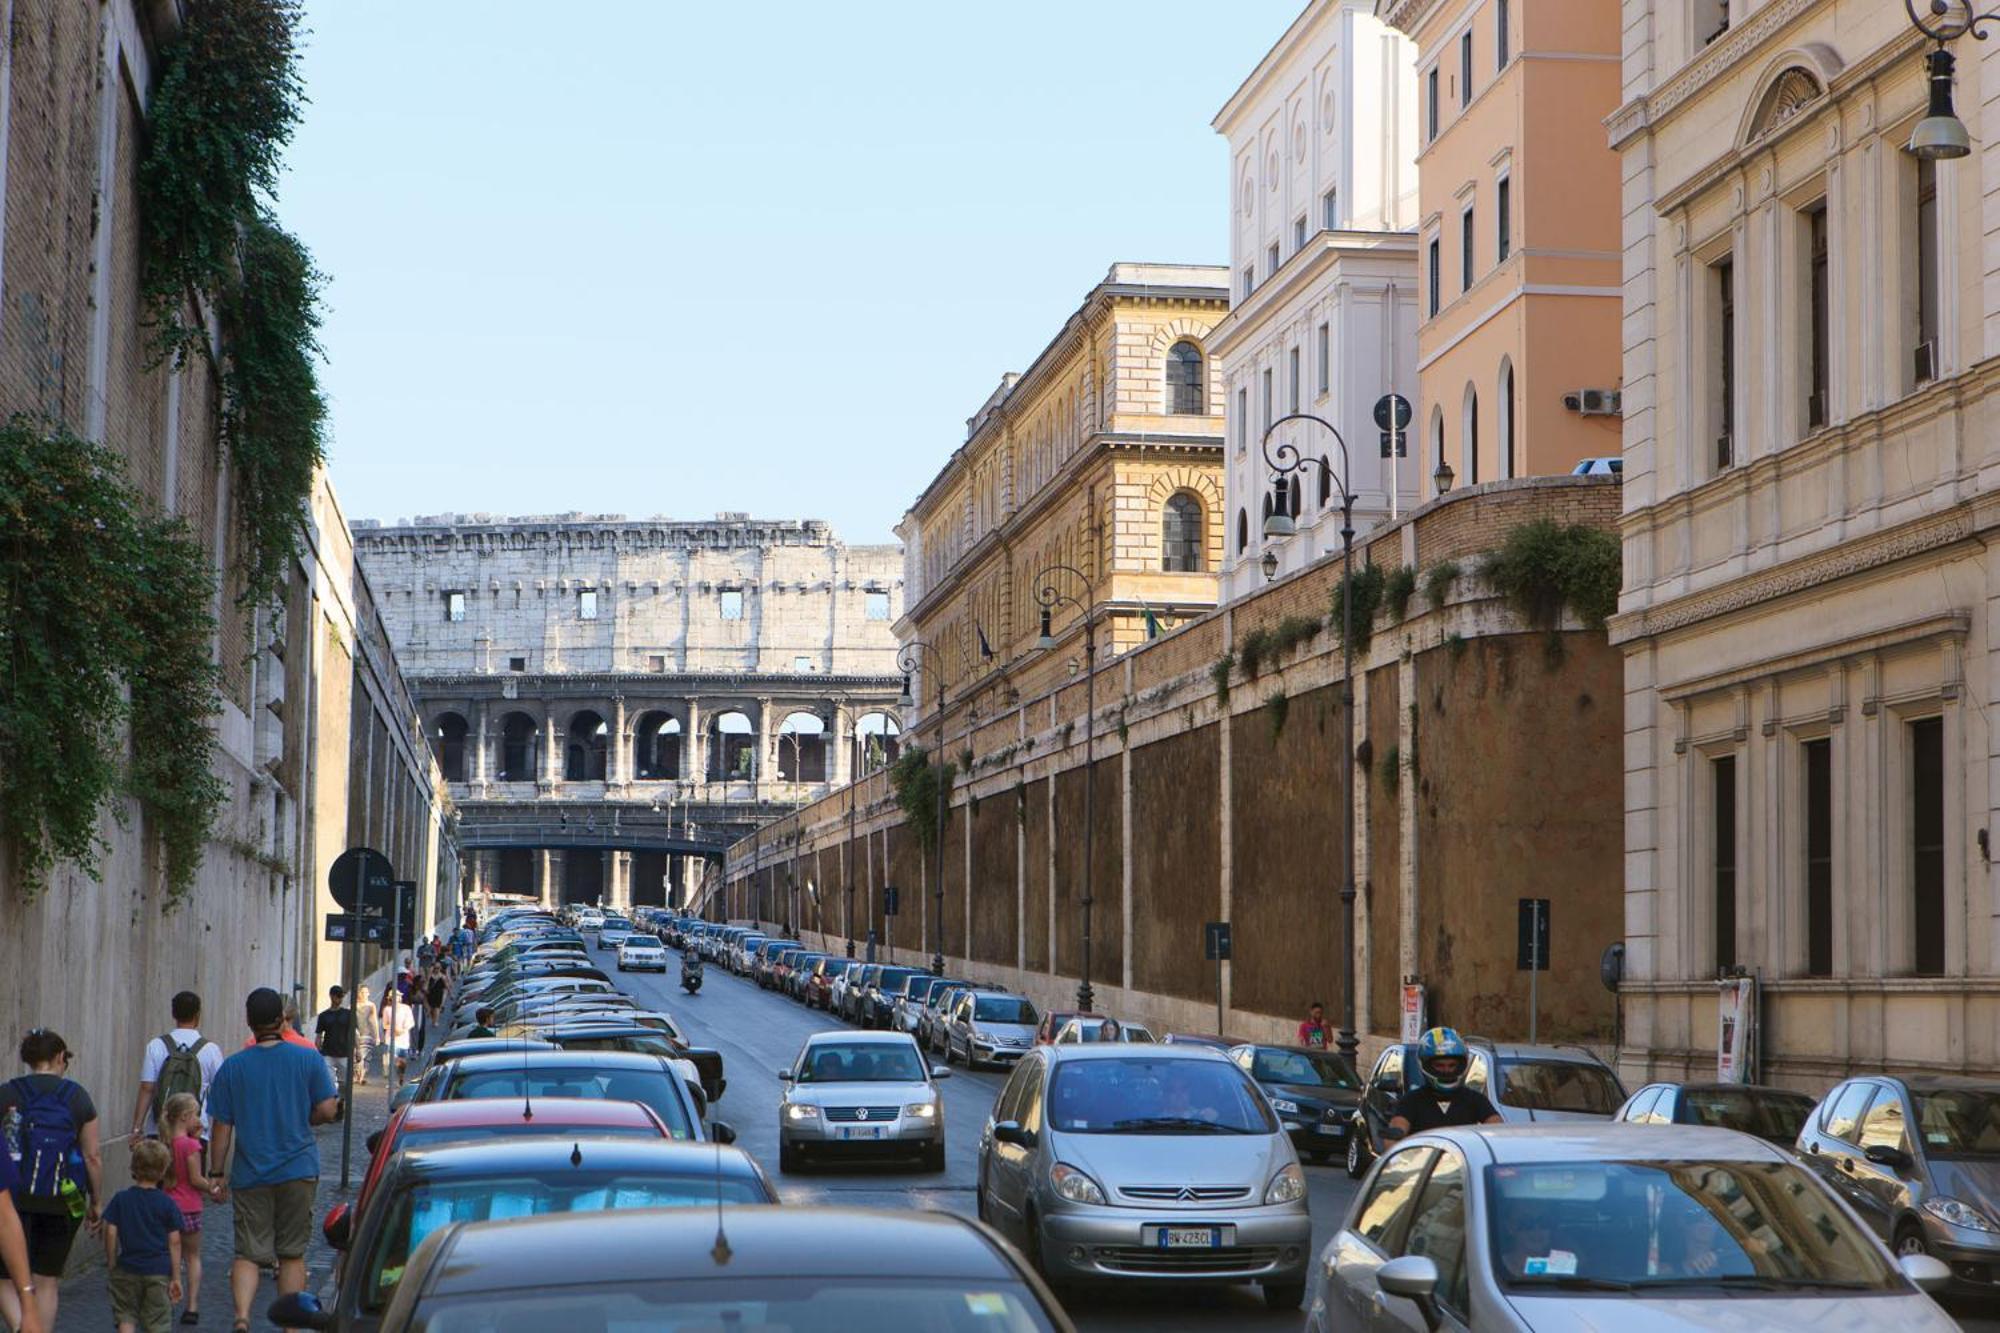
[[362, 881], [1215, 946], [1532, 953]]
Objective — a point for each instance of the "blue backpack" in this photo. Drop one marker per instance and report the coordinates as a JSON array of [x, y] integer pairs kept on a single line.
[[47, 1141]]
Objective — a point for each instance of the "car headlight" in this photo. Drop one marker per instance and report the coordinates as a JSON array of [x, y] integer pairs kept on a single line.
[[1074, 1185], [801, 1111], [1283, 1107], [1288, 1186], [1958, 1213], [922, 1110]]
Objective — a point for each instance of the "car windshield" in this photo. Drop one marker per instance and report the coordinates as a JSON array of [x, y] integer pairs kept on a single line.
[[1959, 1121], [1003, 1009], [861, 1062], [892, 978], [1560, 1085], [424, 1207], [1774, 1116], [431, 1138], [648, 1087], [1692, 1225], [753, 1305], [1302, 1069], [1150, 1095]]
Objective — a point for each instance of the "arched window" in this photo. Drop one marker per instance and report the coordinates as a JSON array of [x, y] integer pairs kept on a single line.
[[802, 748], [732, 749], [1437, 438], [519, 744], [1297, 491], [448, 740], [1507, 468], [1185, 391], [877, 741], [1469, 436], [1325, 482], [1243, 530], [589, 742], [656, 748], [1180, 534]]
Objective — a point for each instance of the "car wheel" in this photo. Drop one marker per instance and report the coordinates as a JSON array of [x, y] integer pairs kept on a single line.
[[1284, 1295], [934, 1157], [950, 1057], [788, 1157], [1357, 1155], [1031, 1242], [979, 1198], [1910, 1240]]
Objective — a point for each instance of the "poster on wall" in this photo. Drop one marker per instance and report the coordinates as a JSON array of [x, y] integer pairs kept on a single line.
[[1413, 1012], [1736, 1023]]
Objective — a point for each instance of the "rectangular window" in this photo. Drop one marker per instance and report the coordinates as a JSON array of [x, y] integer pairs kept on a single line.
[[517, 664], [802, 664], [657, 664], [1818, 783], [1722, 826], [1927, 272], [1271, 257], [1431, 105], [1325, 360], [1268, 398], [1465, 69], [1927, 846], [1299, 232], [732, 604], [1329, 211], [586, 604], [1436, 274], [1295, 380], [1467, 237], [1242, 420], [1503, 205], [454, 606], [1725, 362], [1819, 349], [876, 605], [1249, 280], [1502, 39]]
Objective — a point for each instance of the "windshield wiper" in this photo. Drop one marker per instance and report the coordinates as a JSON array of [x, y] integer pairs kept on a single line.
[[1148, 1124], [1570, 1282], [1759, 1282]]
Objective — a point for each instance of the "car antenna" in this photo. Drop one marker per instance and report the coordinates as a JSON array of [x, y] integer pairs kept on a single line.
[[720, 1251], [576, 1154]]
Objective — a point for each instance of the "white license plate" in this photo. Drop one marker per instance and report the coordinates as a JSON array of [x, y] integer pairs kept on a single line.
[[863, 1131], [1186, 1238]]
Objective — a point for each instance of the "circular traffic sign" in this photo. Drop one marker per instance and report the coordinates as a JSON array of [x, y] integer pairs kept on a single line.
[[362, 880], [1392, 402]]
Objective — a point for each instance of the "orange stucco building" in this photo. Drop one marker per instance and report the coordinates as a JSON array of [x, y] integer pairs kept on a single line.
[[1518, 349]]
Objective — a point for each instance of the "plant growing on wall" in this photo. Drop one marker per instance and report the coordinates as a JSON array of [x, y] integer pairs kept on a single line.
[[104, 620], [1367, 585], [918, 786], [1392, 767], [1218, 675], [1276, 709], [1438, 582], [1398, 586], [1543, 567], [225, 103]]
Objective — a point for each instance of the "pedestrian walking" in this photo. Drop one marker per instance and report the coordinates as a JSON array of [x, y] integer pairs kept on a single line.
[[434, 992], [333, 1034], [142, 1244], [20, 1301], [179, 1060], [1312, 1032], [398, 1021], [365, 1020], [50, 1127], [187, 1185], [264, 1104]]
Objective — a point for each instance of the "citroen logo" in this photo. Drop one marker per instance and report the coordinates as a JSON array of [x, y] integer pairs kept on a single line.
[[861, 1114], [1186, 1194]]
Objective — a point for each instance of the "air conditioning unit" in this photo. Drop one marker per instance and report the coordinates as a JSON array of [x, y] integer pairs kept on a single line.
[[1595, 402], [1927, 361], [1725, 452]]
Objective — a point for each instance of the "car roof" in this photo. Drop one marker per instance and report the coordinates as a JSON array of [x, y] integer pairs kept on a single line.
[[1763, 1089], [857, 1037], [1114, 1050], [487, 1112], [1520, 1050], [548, 1156], [764, 1242], [1609, 1140], [559, 1060], [1947, 1083]]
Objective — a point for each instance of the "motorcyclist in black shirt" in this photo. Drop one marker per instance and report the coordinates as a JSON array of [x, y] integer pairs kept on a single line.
[[1441, 1097]]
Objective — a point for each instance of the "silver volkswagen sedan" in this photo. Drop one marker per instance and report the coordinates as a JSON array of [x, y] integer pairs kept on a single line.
[[860, 1094], [1637, 1227], [1152, 1162]]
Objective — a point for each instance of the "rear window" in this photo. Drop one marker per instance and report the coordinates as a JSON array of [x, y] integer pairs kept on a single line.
[[1003, 1009], [1767, 1115], [1560, 1085], [648, 1087], [431, 1138]]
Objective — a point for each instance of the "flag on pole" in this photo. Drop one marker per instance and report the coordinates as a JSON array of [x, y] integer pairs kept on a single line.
[[1152, 623], [985, 648]]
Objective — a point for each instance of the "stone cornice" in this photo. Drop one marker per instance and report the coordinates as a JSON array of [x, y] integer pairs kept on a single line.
[[646, 684], [484, 535], [1647, 111]]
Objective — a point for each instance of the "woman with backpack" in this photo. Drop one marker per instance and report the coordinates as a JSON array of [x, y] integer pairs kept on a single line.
[[49, 1125]]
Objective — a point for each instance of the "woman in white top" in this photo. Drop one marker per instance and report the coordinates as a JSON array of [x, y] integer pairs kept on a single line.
[[365, 1023], [398, 1019]]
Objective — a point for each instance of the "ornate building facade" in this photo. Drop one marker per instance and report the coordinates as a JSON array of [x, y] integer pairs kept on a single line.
[[613, 699]]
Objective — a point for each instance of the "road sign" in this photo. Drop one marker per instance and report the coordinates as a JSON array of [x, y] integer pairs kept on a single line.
[[1392, 412], [892, 901], [1531, 948], [362, 880], [1413, 1012], [348, 928], [1215, 941]]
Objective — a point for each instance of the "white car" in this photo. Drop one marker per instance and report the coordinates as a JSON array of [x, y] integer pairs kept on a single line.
[[860, 1094], [642, 953]]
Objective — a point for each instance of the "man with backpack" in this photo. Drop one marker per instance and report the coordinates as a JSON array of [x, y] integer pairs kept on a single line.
[[49, 1127], [178, 1061]]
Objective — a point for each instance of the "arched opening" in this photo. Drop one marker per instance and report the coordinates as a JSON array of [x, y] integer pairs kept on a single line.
[[802, 748], [1437, 438], [656, 748], [583, 877], [589, 744], [1180, 534], [520, 748], [514, 871], [877, 742], [1508, 468], [1325, 481], [448, 741], [1469, 436], [1297, 491], [1186, 392], [649, 879], [1243, 530], [732, 749]]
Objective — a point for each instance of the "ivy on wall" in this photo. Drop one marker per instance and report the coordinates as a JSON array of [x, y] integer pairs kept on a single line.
[[918, 786], [1544, 566], [105, 620]]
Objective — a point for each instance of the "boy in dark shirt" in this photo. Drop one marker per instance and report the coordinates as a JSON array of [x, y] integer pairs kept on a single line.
[[142, 1245]]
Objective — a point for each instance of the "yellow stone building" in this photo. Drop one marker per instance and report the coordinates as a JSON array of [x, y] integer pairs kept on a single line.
[[1104, 455]]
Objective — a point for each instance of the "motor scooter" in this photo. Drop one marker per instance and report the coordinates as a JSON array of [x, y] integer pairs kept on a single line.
[[691, 975]]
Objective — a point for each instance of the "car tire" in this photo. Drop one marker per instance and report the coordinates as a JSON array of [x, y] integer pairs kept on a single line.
[[1910, 1240], [1357, 1153], [934, 1157], [1031, 1243], [1284, 1295], [788, 1159], [979, 1198]]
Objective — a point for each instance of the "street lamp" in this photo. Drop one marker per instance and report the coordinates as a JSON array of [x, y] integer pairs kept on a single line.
[[1284, 460], [1941, 135], [1442, 478], [1050, 597], [907, 664]]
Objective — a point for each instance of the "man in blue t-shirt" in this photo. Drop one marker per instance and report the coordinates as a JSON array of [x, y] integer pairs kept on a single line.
[[264, 1101]]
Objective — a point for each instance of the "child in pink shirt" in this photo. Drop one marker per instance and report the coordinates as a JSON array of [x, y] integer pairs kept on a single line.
[[187, 1186]]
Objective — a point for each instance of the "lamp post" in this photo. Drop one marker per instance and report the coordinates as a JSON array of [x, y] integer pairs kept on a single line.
[[1941, 135], [1284, 460], [1050, 596], [907, 664]]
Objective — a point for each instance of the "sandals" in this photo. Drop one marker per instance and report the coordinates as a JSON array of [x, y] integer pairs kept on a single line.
[[190, 1317]]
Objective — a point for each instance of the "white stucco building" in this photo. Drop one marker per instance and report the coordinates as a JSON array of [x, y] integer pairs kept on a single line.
[[1323, 286]]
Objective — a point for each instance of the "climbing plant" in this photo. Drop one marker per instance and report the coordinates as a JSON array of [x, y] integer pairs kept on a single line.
[[1544, 566], [227, 100], [105, 621], [918, 787], [1398, 586], [1367, 583]]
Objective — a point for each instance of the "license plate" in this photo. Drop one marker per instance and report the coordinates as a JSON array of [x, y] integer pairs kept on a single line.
[[1186, 1238], [862, 1131]]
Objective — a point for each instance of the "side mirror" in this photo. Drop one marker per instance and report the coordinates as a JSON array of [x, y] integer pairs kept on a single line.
[[784, 1076], [1883, 1154], [1928, 1272], [940, 1071], [375, 1142], [299, 1310], [338, 1227], [1010, 1131], [721, 1132], [1414, 1278]]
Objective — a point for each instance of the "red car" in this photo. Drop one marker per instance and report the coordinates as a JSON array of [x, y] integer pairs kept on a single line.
[[1052, 1023]]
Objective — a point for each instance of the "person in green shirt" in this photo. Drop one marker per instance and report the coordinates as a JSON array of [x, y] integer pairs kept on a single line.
[[483, 1022]]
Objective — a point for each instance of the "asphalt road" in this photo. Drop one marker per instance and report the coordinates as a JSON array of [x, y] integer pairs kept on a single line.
[[760, 1032]]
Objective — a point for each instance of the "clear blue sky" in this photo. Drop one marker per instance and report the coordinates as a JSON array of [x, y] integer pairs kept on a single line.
[[660, 256]]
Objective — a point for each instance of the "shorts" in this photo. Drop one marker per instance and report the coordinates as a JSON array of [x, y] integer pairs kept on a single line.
[[190, 1222], [49, 1238], [141, 1299], [274, 1222]]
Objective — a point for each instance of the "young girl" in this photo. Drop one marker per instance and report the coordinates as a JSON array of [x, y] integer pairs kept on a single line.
[[187, 1187]]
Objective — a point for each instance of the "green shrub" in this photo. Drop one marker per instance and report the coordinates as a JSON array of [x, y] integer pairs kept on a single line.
[[1367, 583], [1398, 586], [1218, 674], [1543, 567], [1438, 582]]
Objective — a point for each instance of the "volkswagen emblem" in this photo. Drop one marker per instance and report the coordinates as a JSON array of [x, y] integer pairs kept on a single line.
[[861, 1114]]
